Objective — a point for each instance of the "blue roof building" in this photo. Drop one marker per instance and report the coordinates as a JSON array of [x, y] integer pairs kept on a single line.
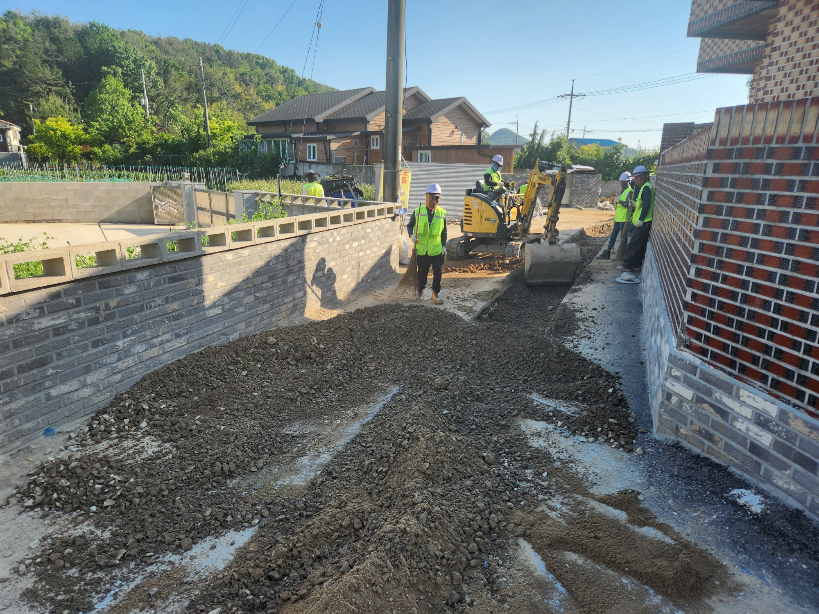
[[601, 142]]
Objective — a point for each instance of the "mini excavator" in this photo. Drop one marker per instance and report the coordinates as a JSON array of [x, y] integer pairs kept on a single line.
[[499, 222]]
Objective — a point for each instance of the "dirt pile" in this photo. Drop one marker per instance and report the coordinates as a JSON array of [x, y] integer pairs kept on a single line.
[[417, 506], [485, 263]]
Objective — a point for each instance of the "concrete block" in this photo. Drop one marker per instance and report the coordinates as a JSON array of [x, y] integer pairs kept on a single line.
[[242, 235], [4, 281], [142, 251], [266, 231], [217, 239], [108, 256], [56, 268], [179, 245]]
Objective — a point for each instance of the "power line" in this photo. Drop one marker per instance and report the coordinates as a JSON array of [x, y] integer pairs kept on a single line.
[[277, 25], [224, 32], [636, 87], [537, 89], [235, 21]]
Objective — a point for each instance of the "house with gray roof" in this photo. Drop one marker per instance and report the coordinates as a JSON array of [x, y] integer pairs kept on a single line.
[[347, 127]]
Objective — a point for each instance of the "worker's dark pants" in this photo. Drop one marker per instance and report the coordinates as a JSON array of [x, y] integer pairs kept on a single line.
[[637, 244], [618, 226], [424, 262]]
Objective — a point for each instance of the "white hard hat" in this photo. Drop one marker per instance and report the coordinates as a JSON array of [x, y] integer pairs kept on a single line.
[[640, 170], [625, 176], [498, 159], [433, 188]]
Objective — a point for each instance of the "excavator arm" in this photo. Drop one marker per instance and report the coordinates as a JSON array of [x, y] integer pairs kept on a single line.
[[542, 176]]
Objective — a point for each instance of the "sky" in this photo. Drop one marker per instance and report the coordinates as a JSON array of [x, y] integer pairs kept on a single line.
[[510, 59]]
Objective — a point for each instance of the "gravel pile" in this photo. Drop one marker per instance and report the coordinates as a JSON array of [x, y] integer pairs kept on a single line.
[[420, 511]]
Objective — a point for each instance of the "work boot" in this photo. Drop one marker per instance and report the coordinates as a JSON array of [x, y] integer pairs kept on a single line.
[[420, 295], [605, 254]]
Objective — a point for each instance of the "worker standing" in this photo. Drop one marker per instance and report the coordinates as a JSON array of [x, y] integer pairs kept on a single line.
[[492, 179], [620, 213], [312, 187], [427, 228], [643, 210]]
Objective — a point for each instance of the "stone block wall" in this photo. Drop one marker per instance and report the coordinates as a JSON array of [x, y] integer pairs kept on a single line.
[[76, 202], [67, 349], [735, 256]]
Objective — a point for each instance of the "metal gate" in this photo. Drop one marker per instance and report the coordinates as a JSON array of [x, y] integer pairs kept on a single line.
[[454, 180]]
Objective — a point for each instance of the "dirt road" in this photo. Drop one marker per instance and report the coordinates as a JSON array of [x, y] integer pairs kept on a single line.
[[397, 458]]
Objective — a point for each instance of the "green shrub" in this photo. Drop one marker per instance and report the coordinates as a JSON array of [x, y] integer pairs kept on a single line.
[[25, 269]]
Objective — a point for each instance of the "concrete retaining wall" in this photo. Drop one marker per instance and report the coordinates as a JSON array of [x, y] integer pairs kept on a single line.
[[712, 413], [584, 190], [67, 349], [76, 202]]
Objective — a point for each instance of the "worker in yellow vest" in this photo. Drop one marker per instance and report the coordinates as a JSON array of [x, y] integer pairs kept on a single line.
[[492, 179], [641, 220], [620, 213], [312, 187], [427, 228]]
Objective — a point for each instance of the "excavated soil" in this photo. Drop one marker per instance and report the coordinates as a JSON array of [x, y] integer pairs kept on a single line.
[[378, 460], [482, 263]]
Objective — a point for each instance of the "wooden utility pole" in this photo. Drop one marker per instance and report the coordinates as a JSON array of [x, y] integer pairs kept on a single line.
[[395, 100], [205, 101], [145, 94]]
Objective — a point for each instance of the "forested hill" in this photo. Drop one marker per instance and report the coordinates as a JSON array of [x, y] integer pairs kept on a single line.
[[50, 64]]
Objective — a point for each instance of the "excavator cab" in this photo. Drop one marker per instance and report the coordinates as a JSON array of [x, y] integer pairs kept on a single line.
[[499, 222]]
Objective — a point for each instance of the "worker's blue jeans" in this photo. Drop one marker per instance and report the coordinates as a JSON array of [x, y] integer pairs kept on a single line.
[[618, 226]]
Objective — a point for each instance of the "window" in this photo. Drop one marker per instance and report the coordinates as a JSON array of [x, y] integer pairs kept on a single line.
[[375, 142], [312, 152], [355, 142], [340, 159], [425, 156], [281, 146]]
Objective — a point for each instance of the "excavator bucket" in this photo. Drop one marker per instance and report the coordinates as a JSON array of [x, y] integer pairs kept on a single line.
[[551, 265]]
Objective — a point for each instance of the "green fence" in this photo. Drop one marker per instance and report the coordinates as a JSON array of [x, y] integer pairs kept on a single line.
[[213, 178]]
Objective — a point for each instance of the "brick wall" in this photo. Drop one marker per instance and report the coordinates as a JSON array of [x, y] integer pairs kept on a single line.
[[67, 349], [678, 132], [76, 202], [790, 65], [735, 252], [715, 414], [585, 190]]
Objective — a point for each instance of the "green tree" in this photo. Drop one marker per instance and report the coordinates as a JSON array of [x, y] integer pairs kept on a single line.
[[112, 116], [56, 140], [56, 106]]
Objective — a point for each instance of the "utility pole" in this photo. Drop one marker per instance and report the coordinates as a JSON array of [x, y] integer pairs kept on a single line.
[[517, 128], [571, 98], [395, 100], [145, 94], [205, 101]]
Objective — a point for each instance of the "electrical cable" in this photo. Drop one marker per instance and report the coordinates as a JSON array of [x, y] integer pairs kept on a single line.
[[277, 25], [239, 8]]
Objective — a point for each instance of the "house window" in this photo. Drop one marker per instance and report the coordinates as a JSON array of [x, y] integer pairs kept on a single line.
[[340, 159], [375, 142], [425, 156], [355, 142], [281, 146], [1, 137], [312, 152]]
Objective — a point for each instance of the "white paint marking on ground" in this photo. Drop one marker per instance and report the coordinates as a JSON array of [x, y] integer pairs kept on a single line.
[[623, 517], [571, 409], [606, 469], [558, 597], [752, 501]]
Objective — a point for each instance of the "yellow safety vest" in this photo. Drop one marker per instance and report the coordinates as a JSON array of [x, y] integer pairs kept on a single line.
[[429, 237], [638, 207], [495, 176], [313, 189], [621, 212]]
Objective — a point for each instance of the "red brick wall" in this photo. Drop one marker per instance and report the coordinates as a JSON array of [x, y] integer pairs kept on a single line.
[[751, 306]]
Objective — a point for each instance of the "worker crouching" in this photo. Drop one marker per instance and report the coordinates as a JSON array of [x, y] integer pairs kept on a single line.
[[427, 228]]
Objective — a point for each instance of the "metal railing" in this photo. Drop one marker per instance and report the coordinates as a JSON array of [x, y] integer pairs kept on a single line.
[[213, 178]]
